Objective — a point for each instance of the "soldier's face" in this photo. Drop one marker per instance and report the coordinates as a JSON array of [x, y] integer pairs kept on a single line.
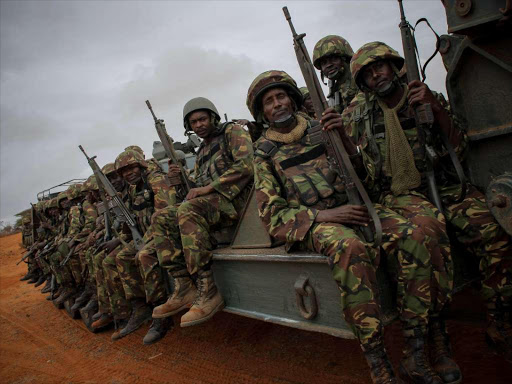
[[116, 180], [200, 122], [308, 104], [132, 174], [331, 65], [377, 75], [276, 105], [92, 196]]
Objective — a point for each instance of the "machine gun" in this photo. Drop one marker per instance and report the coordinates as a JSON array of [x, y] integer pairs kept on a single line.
[[111, 191], [336, 149], [168, 145], [424, 118]]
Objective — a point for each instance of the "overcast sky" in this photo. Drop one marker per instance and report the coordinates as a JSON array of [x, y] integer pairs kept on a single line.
[[78, 72]]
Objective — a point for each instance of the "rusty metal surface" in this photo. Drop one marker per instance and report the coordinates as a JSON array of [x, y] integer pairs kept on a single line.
[[499, 200]]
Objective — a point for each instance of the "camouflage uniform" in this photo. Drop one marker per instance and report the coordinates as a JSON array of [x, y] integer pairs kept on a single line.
[[225, 164], [293, 183], [471, 221], [154, 193], [344, 85]]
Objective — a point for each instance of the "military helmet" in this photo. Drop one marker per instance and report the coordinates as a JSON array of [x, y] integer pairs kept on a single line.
[[370, 53], [109, 168], [304, 91], [74, 191], [26, 220], [90, 185], [130, 157], [39, 206], [135, 148], [197, 104], [264, 82], [331, 45], [61, 196]]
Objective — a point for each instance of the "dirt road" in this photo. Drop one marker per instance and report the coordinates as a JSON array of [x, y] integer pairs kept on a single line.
[[40, 344]]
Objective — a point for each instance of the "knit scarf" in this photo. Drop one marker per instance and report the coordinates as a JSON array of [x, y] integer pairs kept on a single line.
[[291, 137], [399, 157]]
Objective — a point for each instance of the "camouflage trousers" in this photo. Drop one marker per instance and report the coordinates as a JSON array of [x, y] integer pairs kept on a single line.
[[416, 208], [63, 274], [120, 308], [475, 228], [354, 263], [156, 278], [43, 263], [101, 282]]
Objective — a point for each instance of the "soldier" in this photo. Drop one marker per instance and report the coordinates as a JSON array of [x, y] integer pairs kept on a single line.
[[302, 202], [147, 193], [371, 120], [223, 177], [90, 214], [331, 56], [307, 103]]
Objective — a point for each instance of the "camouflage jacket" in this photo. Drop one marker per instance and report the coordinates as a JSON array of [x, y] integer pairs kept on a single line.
[[225, 162], [347, 90], [364, 121], [152, 194], [293, 182], [90, 214], [76, 222]]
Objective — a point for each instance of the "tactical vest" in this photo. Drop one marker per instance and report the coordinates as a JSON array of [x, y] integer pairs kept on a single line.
[[364, 121], [303, 170], [213, 159], [142, 204]]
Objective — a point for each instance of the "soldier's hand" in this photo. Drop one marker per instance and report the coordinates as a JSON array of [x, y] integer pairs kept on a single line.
[[331, 120], [345, 214], [200, 191], [419, 93], [174, 170], [109, 246]]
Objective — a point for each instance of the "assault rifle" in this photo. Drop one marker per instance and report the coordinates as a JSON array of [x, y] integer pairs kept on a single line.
[[168, 145], [111, 191], [27, 255], [66, 259], [336, 149], [424, 118], [48, 248]]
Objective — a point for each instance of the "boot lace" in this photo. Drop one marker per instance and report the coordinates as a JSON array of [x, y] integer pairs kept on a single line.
[[201, 287], [381, 370]]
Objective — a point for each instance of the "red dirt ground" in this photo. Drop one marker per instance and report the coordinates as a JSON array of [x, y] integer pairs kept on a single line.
[[40, 344]]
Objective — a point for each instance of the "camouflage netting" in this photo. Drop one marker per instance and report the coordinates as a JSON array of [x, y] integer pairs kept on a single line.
[[264, 82], [331, 45], [370, 53]]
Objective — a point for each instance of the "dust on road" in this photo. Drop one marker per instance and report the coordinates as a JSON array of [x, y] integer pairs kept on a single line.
[[41, 344]]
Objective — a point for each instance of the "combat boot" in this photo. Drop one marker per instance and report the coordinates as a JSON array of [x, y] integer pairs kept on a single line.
[[96, 316], [67, 293], [40, 281], [381, 370], [34, 279], [499, 331], [120, 324], [91, 305], [141, 313], [48, 286], [83, 298], [182, 297], [56, 294], [415, 367], [103, 321], [207, 303], [440, 352], [28, 276], [158, 330]]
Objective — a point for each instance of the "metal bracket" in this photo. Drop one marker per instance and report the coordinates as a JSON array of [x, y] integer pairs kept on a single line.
[[303, 289]]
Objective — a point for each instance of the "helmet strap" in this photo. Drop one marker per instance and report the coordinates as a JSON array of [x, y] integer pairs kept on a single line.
[[285, 122]]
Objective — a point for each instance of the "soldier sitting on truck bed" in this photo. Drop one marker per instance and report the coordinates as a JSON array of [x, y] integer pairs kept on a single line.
[[302, 201], [381, 121], [223, 176]]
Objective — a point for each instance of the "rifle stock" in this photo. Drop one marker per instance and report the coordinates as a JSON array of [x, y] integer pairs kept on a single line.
[[354, 189]]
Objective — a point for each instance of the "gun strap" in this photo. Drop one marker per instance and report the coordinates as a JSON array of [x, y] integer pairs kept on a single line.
[[458, 168], [438, 43]]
